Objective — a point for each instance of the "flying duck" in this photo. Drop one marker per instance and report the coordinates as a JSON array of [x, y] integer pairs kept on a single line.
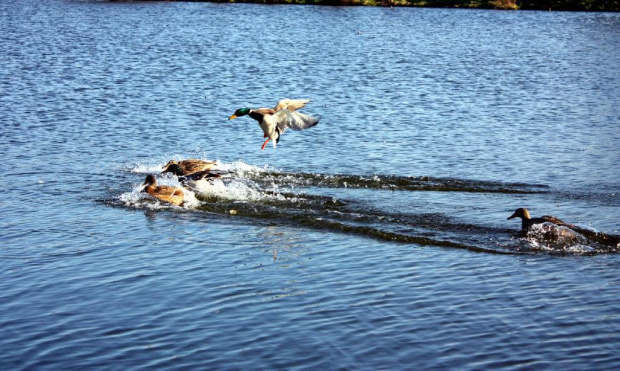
[[274, 121]]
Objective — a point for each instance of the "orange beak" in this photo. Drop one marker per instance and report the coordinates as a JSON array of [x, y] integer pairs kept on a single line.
[[232, 117]]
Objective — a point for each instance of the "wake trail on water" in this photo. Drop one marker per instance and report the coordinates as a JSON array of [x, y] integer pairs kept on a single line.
[[265, 195]]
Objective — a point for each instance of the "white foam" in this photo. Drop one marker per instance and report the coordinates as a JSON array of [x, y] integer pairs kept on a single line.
[[146, 168], [241, 169], [189, 199], [551, 237], [233, 187], [135, 198]]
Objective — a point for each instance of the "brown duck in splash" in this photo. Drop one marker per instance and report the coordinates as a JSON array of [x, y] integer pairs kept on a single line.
[[169, 194]]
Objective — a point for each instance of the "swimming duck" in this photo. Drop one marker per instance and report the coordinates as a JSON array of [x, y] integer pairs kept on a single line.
[[274, 121], [164, 193], [527, 222], [188, 166]]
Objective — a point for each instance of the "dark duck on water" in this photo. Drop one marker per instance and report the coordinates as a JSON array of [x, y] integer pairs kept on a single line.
[[527, 221], [571, 232]]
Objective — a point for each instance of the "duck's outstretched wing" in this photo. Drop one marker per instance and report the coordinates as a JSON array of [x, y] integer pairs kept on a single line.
[[291, 104], [295, 120]]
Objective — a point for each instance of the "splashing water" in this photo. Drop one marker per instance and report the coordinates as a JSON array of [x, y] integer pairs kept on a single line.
[[264, 194], [551, 237]]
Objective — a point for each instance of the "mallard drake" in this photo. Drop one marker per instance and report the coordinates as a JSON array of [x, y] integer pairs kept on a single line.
[[527, 222], [170, 194], [274, 121], [189, 166]]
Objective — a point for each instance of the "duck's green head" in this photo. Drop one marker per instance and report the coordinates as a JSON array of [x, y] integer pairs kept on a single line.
[[240, 112], [173, 167]]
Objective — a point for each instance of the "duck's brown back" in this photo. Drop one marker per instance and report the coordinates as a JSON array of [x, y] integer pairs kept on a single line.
[[192, 166], [168, 194]]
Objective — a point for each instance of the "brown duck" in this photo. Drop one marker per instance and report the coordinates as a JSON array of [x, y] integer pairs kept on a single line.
[[527, 221], [173, 195], [188, 166]]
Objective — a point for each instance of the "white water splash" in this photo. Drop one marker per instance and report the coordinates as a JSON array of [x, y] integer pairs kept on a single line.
[[146, 168], [235, 189], [241, 169], [234, 186], [551, 237], [229, 190]]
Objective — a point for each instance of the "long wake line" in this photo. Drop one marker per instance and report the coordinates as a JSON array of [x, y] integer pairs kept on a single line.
[[265, 196]]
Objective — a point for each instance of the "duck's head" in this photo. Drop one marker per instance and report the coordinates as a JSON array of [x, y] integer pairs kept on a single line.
[[520, 213], [148, 182], [240, 112], [172, 167], [171, 162]]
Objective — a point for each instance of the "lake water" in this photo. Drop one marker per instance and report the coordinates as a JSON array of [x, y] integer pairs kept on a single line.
[[375, 240]]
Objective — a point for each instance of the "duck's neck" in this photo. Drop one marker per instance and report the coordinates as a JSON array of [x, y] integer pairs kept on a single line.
[[525, 220], [256, 115], [525, 224]]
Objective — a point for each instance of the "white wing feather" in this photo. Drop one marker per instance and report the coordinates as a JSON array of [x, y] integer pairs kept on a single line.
[[291, 104], [294, 120]]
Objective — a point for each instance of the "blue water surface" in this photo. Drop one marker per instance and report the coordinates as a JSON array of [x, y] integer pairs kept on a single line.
[[376, 240]]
